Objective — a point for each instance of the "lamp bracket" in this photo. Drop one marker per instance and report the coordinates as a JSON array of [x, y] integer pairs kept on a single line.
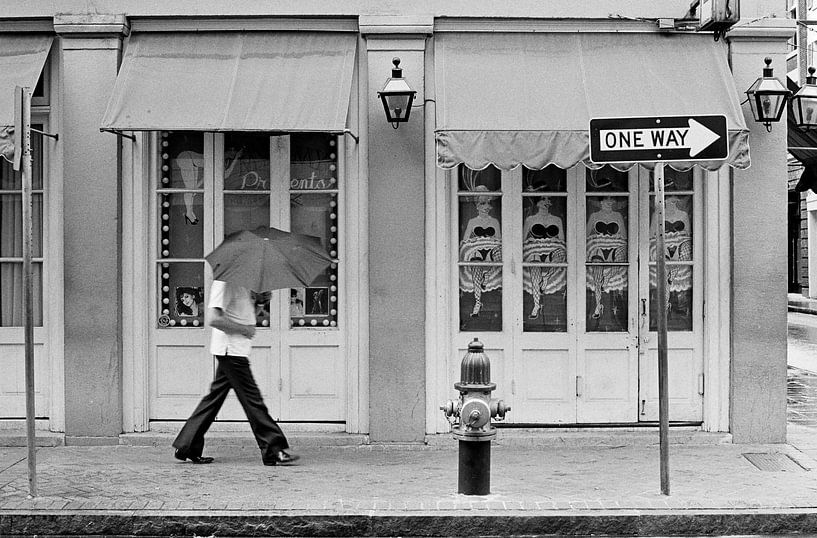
[[54, 136]]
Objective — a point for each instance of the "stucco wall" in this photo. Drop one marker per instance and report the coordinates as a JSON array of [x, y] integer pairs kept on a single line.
[[93, 369], [759, 231], [396, 254]]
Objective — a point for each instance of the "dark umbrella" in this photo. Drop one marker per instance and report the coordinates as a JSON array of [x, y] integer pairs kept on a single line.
[[268, 259]]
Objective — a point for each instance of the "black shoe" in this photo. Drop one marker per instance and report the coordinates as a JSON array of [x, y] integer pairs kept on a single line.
[[282, 458], [179, 455]]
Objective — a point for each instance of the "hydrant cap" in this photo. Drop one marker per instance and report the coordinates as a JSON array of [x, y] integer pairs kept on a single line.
[[475, 369], [476, 346]]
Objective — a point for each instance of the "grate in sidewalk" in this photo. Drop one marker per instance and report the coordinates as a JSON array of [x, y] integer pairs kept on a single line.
[[773, 462]]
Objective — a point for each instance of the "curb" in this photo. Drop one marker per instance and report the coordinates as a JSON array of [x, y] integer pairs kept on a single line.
[[624, 522], [802, 309]]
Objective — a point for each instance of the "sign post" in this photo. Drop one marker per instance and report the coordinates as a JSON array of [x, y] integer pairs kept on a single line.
[[658, 140], [661, 310], [22, 159]]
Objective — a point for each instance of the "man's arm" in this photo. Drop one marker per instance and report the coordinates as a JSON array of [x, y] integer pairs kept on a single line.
[[218, 320]]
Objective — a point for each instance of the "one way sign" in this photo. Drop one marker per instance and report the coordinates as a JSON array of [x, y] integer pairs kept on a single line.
[[667, 138]]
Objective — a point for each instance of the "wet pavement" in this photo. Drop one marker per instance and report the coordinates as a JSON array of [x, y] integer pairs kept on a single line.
[[802, 370], [802, 397]]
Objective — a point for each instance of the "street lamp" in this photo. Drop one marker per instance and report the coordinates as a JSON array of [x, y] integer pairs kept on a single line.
[[767, 97], [804, 103], [397, 96]]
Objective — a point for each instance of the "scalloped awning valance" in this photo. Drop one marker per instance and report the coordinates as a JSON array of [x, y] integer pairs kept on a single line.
[[511, 99]]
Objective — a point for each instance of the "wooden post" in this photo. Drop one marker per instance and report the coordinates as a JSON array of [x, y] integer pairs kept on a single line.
[[23, 97], [661, 311]]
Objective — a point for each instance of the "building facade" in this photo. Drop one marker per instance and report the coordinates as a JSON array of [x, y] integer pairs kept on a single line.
[[803, 150], [481, 217]]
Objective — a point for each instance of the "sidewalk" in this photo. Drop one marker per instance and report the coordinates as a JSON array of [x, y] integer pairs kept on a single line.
[[542, 482]]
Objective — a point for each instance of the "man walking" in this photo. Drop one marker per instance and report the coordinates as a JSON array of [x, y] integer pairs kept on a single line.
[[231, 314]]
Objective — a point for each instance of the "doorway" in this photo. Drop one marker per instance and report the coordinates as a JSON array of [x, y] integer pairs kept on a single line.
[[555, 273], [206, 186]]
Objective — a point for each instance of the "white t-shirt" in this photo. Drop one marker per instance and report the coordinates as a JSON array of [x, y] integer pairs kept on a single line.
[[237, 305]]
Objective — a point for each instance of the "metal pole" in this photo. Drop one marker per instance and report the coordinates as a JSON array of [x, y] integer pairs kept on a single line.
[[661, 310], [28, 303]]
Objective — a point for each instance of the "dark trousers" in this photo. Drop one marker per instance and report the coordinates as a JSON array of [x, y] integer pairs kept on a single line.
[[232, 373]]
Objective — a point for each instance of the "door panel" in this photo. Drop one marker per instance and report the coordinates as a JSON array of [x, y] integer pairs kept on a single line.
[[685, 384], [13, 380], [181, 375], [608, 386], [313, 387], [264, 364], [543, 383]]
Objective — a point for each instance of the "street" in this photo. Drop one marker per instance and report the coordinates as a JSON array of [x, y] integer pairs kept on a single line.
[[802, 371]]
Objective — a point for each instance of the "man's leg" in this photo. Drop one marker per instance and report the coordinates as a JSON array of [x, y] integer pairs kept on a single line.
[[190, 440], [268, 435]]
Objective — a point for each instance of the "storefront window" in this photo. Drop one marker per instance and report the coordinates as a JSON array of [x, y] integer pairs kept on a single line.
[[11, 239], [544, 250], [480, 249], [251, 195], [314, 210], [180, 216], [606, 263], [678, 223]]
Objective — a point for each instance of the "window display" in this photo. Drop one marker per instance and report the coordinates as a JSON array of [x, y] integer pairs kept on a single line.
[[606, 250], [314, 210], [678, 241], [544, 250], [480, 250], [180, 210], [249, 194]]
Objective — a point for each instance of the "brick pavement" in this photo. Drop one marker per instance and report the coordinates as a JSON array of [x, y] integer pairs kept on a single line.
[[562, 485]]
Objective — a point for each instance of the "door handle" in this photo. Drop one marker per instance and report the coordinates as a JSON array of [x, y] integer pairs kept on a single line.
[[579, 385], [643, 308]]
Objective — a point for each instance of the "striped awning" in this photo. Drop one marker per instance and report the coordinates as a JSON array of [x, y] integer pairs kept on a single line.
[[234, 81]]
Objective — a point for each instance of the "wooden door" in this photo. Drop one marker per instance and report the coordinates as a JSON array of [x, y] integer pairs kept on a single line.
[[684, 268]]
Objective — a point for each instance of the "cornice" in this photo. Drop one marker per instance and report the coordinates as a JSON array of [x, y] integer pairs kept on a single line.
[[90, 25]]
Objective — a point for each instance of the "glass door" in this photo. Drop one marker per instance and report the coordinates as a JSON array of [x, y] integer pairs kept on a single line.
[[607, 357], [684, 269], [209, 186]]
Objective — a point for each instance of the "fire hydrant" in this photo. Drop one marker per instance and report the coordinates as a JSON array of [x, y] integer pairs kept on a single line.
[[470, 419]]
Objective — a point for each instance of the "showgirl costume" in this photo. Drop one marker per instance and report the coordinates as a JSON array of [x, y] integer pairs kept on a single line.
[[678, 242], [605, 244], [543, 245], [482, 246]]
